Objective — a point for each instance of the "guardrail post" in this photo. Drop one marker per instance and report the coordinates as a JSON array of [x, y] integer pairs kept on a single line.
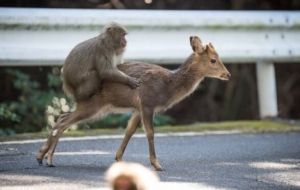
[[266, 82]]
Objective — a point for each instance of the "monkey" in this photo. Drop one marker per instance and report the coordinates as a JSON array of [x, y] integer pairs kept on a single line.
[[95, 60]]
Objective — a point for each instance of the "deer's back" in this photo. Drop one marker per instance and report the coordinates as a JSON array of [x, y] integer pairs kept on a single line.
[[154, 83]]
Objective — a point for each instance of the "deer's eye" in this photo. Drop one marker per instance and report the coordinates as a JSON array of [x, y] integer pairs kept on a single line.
[[213, 61]]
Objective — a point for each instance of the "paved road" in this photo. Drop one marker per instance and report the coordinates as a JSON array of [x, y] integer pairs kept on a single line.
[[223, 161]]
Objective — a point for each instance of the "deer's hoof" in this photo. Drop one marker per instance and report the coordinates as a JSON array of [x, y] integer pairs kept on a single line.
[[118, 156], [118, 159], [157, 166], [50, 165], [160, 169], [40, 161]]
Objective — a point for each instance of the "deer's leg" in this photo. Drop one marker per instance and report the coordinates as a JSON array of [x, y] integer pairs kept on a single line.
[[130, 130], [147, 119], [63, 116], [62, 124], [67, 122], [52, 138], [44, 149]]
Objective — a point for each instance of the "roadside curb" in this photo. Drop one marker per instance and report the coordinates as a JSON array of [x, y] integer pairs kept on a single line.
[[120, 136]]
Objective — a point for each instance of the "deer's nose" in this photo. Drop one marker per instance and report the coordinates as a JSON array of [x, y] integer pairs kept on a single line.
[[228, 75]]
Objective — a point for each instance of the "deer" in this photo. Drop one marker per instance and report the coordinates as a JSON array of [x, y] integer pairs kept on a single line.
[[159, 90]]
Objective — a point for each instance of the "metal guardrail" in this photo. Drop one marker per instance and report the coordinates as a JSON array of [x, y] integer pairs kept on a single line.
[[45, 36]]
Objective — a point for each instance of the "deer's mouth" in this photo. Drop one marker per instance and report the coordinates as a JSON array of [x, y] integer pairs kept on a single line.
[[225, 76]]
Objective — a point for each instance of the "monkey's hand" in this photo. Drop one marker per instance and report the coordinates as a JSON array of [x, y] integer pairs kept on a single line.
[[133, 82]]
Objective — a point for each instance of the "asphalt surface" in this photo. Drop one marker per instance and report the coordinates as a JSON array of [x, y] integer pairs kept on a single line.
[[223, 161]]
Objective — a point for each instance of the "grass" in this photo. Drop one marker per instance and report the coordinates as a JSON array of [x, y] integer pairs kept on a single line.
[[256, 126]]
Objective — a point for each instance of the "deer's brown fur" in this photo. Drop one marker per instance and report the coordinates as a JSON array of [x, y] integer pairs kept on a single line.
[[160, 89]]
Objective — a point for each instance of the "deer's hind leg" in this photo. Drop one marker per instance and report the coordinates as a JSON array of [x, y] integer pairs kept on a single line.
[[62, 124], [130, 130]]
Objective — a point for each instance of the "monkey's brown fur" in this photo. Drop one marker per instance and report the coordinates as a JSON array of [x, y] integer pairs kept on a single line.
[[95, 60]]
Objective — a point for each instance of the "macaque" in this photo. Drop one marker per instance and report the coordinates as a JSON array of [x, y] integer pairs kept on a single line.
[[94, 60]]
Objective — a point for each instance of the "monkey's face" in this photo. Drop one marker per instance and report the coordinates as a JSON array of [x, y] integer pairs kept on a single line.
[[117, 35], [123, 41], [120, 41]]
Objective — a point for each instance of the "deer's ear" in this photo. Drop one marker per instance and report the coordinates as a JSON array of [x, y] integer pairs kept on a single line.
[[191, 42], [196, 44], [210, 47]]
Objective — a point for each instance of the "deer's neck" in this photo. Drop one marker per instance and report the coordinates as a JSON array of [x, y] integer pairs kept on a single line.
[[184, 81]]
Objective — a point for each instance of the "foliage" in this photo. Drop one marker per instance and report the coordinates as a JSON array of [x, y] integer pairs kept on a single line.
[[26, 113]]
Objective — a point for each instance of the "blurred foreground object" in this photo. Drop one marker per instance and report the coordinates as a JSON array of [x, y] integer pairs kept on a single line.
[[131, 176]]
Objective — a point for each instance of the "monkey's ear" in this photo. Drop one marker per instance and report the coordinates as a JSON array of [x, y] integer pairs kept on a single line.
[[109, 30]]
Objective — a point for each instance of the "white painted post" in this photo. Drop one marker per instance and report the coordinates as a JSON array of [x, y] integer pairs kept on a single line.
[[266, 82]]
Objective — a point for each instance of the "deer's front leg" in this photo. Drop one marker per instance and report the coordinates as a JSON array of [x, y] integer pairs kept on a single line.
[[130, 130], [147, 119]]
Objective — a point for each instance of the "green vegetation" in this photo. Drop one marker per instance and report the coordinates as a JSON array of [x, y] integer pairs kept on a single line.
[[255, 126], [26, 113], [264, 126]]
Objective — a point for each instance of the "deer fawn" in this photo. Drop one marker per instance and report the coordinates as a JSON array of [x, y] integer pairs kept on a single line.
[[160, 89]]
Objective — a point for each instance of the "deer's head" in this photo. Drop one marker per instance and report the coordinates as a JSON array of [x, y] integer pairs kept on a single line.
[[207, 60]]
